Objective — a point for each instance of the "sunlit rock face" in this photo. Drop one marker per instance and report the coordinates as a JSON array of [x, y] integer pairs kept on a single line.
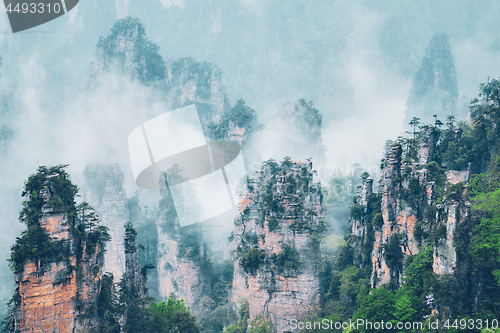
[[105, 192], [276, 238], [54, 297], [456, 212], [418, 207]]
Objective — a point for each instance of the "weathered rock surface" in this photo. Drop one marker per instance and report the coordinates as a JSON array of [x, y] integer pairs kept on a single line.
[[177, 276], [283, 285], [54, 296], [179, 255], [135, 275], [410, 210]]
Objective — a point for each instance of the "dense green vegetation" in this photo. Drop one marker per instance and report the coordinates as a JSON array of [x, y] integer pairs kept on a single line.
[[164, 317], [280, 182], [239, 115], [51, 190], [474, 289], [259, 324], [129, 300], [151, 66], [299, 47]]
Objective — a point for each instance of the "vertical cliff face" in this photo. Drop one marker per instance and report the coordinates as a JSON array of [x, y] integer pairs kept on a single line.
[[144, 221], [105, 191], [58, 261], [47, 293], [178, 275], [399, 219], [180, 256], [455, 213], [420, 205], [135, 275], [276, 240]]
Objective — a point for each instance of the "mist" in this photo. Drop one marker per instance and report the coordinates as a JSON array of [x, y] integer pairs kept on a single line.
[[354, 60]]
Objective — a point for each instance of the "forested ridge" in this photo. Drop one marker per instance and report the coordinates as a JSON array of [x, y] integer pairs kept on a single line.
[[470, 296]]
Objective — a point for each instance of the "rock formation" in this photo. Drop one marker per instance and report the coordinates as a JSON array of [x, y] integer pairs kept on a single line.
[[276, 240], [105, 191], [180, 256], [135, 275], [127, 50], [418, 200], [434, 88], [144, 221], [58, 261], [188, 82]]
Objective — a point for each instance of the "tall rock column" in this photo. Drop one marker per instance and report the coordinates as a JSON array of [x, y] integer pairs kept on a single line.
[[434, 87], [105, 191], [421, 205], [58, 261], [181, 255], [135, 275], [277, 239]]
